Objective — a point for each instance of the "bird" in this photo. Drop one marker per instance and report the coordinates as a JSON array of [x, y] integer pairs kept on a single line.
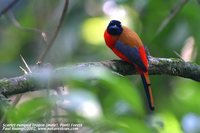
[[128, 46]]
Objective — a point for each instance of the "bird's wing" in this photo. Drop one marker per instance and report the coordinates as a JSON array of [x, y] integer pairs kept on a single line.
[[133, 54]]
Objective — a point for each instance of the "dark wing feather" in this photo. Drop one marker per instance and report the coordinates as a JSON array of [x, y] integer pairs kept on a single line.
[[131, 53]]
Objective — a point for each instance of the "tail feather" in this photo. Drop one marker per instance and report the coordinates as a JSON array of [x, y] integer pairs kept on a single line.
[[148, 91]]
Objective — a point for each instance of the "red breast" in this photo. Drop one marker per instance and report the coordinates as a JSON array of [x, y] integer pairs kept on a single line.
[[110, 40]]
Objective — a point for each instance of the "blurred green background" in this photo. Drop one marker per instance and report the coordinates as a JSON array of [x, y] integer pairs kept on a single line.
[[100, 100]]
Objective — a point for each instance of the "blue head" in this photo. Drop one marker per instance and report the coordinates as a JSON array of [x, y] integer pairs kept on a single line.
[[114, 27]]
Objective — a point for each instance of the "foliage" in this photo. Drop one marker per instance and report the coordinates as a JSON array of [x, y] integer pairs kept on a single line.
[[120, 101]]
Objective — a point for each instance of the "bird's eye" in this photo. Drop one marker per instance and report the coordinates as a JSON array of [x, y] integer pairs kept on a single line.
[[119, 24], [112, 24]]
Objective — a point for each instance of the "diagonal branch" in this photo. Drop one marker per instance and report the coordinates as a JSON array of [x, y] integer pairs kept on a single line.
[[44, 53], [12, 18], [8, 7], [40, 80], [173, 12]]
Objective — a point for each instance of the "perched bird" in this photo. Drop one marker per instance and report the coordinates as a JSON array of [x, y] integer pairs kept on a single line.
[[127, 45]]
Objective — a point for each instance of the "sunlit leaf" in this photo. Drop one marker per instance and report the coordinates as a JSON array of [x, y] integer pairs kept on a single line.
[[166, 122], [93, 30]]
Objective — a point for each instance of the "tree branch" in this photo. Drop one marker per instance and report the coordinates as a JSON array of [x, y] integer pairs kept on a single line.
[[173, 12], [40, 80], [8, 7], [44, 53]]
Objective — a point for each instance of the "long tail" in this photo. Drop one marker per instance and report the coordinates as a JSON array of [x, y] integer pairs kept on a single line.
[[148, 91]]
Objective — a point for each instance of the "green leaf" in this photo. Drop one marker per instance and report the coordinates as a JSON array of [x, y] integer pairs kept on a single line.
[[124, 89], [30, 110]]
